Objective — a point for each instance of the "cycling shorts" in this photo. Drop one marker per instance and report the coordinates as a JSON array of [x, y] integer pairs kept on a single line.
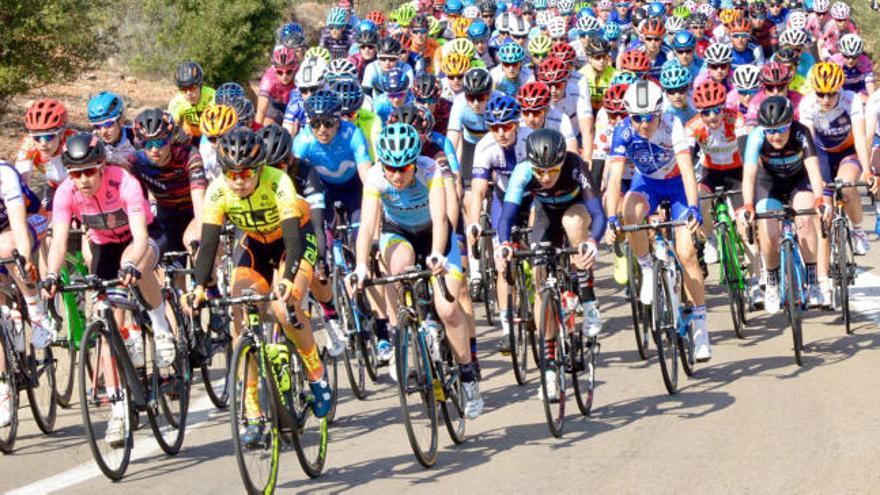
[[420, 242], [350, 197], [830, 162], [256, 261], [173, 224], [467, 162], [107, 258], [548, 221], [773, 192], [655, 191], [727, 179]]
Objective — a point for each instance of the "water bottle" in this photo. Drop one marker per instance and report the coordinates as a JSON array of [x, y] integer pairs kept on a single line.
[[660, 249], [432, 338]]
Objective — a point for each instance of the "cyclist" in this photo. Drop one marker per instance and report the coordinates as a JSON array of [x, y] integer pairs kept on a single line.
[[780, 165], [395, 93], [309, 78], [467, 124], [775, 78], [747, 83], [598, 72], [216, 121], [366, 42], [718, 59], [121, 232], [351, 99], [173, 174], [337, 34], [390, 51], [652, 32], [684, 45], [262, 202], [566, 204], [510, 74], [454, 67], [763, 31], [426, 91], [658, 148], [276, 85], [676, 83], [192, 98], [478, 32], [798, 40], [106, 111], [612, 112], [841, 13], [534, 100], [856, 65], [697, 23], [39, 155], [789, 57], [567, 98], [406, 194]]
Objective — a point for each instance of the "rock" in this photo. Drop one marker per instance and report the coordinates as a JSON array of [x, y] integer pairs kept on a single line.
[[131, 80]]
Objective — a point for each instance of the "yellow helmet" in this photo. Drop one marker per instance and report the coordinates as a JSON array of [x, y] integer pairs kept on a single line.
[[727, 16], [460, 27], [318, 52], [455, 64], [217, 119], [461, 46], [827, 77], [434, 27]]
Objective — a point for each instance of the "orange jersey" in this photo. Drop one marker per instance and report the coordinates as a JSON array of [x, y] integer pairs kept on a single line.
[[719, 146]]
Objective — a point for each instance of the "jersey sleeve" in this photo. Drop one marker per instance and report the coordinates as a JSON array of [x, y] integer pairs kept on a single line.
[[619, 140], [807, 143], [196, 169], [856, 108], [359, 147], [807, 109], [680, 142], [215, 202], [10, 185], [753, 147], [286, 198], [455, 115], [132, 195], [300, 145], [62, 204], [451, 157], [375, 182], [518, 182], [266, 83], [482, 168]]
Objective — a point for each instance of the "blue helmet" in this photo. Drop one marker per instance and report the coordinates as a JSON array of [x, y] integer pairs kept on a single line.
[[336, 17], [502, 109], [674, 76], [227, 92], [511, 52], [684, 40], [350, 93], [478, 30], [502, 7], [323, 103], [104, 106], [624, 77], [453, 7], [539, 4], [656, 9], [395, 81], [366, 25], [289, 29], [398, 145], [611, 31]]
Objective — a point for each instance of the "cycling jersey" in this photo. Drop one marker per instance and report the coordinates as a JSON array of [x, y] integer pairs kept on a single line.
[[260, 214], [780, 163], [373, 76], [187, 115], [371, 126], [753, 54], [491, 160], [597, 83], [463, 119], [171, 184], [383, 108], [118, 153], [765, 37], [360, 63], [719, 146], [438, 145], [778, 20], [858, 75], [407, 209], [295, 112], [338, 47], [14, 191], [755, 105], [107, 212], [806, 62], [441, 113], [271, 87], [683, 114], [574, 106], [447, 93], [832, 130], [509, 86], [654, 157], [337, 162], [872, 107], [30, 159], [624, 21]]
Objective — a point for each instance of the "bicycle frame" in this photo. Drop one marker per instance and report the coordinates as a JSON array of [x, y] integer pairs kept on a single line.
[[789, 237]]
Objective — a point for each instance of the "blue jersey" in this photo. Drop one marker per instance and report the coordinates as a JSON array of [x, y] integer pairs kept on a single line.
[[383, 108], [654, 157], [373, 76], [753, 54], [444, 144], [409, 209], [337, 162], [463, 119], [296, 109]]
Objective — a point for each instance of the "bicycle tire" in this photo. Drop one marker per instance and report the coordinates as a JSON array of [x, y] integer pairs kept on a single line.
[[331, 365], [637, 309], [42, 397], [793, 303], [65, 371], [686, 350], [730, 276], [517, 317], [215, 376], [169, 390], [94, 345], [526, 308], [453, 407], [584, 354], [8, 433], [369, 344], [310, 434], [489, 289], [555, 415], [354, 360], [843, 261], [416, 393], [246, 351], [663, 326]]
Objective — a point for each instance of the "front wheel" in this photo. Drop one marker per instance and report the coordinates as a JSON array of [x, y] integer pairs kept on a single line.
[[731, 277], [663, 326], [215, 369], [41, 390], [169, 390], [842, 270], [584, 357], [7, 378], [518, 333], [550, 322], [416, 390], [793, 302]]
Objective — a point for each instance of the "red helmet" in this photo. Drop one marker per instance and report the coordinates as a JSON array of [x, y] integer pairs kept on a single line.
[[45, 115], [741, 25], [636, 61], [653, 27], [563, 51], [533, 96], [552, 70], [378, 17], [284, 57], [613, 99], [775, 74], [710, 94]]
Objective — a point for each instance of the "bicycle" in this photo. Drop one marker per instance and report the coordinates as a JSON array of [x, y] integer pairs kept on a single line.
[[427, 376], [573, 354], [104, 361], [843, 263], [637, 309], [793, 273], [671, 316], [483, 250], [282, 392], [519, 309], [732, 256], [27, 367], [361, 359], [72, 324]]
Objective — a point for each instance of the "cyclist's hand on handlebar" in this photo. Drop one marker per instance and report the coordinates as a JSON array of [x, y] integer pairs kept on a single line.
[[503, 255], [194, 299], [473, 233], [356, 279], [613, 229], [873, 183], [694, 218], [129, 273], [823, 209], [49, 285], [746, 214], [285, 290], [587, 253], [30, 269], [437, 263]]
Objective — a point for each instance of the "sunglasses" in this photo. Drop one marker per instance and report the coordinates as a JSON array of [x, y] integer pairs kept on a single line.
[[777, 130], [519, 38], [708, 112], [546, 172], [822, 96], [155, 144], [368, 47], [388, 59], [776, 89], [104, 125], [284, 72], [533, 113], [748, 92], [758, 16], [418, 31], [399, 170], [426, 101], [325, 122], [512, 66], [741, 36], [477, 98], [213, 139], [396, 95], [684, 52], [644, 119], [616, 115], [454, 78], [87, 172], [653, 39], [337, 26], [719, 66], [45, 137], [246, 174], [849, 57], [559, 85], [677, 91], [307, 91], [506, 127]]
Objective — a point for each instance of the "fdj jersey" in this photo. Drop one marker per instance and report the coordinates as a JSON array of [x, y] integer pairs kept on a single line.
[[408, 208], [785, 162], [13, 191], [654, 157]]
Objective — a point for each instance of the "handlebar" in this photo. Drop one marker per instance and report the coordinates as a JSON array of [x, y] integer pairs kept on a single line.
[[840, 184], [653, 226], [20, 263], [93, 282], [786, 213], [412, 275], [720, 192]]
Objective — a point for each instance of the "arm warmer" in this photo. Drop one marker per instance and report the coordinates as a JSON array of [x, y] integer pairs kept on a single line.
[[316, 217], [293, 246], [207, 252], [509, 213]]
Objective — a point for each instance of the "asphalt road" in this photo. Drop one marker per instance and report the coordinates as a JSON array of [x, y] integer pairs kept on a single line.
[[749, 420]]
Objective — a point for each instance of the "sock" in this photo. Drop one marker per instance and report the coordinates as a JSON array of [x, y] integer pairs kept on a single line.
[[699, 311], [35, 307], [382, 329], [473, 267], [473, 343], [585, 286], [811, 273], [157, 317], [312, 362], [857, 226], [773, 275], [551, 349], [467, 373]]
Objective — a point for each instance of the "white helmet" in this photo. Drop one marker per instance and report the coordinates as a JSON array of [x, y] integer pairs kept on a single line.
[[675, 24], [471, 12], [341, 67], [542, 18], [588, 24], [719, 53], [793, 37], [691, 5], [311, 73], [851, 45], [502, 24], [840, 11], [707, 10], [519, 26], [566, 6], [821, 5], [643, 97], [747, 77], [797, 20], [557, 27]]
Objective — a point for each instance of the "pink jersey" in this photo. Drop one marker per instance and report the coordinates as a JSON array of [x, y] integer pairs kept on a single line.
[[832, 34], [755, 104], [272, 88], [106, 213]]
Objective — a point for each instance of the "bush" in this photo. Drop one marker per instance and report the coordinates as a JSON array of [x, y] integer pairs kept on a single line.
[[44, 41], [230, 39]]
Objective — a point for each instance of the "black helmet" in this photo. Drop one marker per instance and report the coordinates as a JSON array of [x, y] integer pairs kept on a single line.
[[477, 81], [488, 7], [775, 111], [639, 15], [545, 148], [241, 148], [188, 74], [426, 86], [277, 142], [244, 108], [415, 115], [368, 37], [153, 123], [83, 150], [294, 40], [389, 46], [597, 46]]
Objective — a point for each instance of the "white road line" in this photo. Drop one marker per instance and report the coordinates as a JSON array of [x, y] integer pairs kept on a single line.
[[865, 295], [197, 418]]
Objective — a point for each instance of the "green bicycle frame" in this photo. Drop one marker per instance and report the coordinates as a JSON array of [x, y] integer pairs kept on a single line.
[[731, 254], [74, 319]]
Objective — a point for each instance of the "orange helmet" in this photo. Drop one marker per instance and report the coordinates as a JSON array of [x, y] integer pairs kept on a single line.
[[741, 25], [653, 27], [45, 115], [710, 94], [636, 61]]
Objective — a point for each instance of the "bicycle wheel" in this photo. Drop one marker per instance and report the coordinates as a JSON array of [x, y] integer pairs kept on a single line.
[[731, 277], [453, 406], [487, 267], [843, 275], [634, 281], [584, 356], [7, 377], [41, 389], [686, 350], [793, 303], [525, 306], [310, 434], [99, 368], [417, 392], [517, 316], [169, 388], [257, 462], [549, 320], [663, 326], [354, 360], [215, 368], [65, 352], [331, 365]]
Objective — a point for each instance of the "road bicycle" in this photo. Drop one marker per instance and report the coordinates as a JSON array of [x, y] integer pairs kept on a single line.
[[843, 263], [483, 250], [72, 322], [520, 297], [638, 311]]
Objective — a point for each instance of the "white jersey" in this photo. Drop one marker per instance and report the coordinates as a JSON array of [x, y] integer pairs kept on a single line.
[[832, 130]]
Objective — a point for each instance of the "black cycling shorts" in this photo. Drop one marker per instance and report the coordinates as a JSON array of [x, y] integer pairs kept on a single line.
[[106, 258], [728, 179], [257, 261]]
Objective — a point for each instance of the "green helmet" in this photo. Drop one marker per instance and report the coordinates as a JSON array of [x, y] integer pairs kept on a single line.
[[318, 52], [405, 14], [540, 45], [681, 11]]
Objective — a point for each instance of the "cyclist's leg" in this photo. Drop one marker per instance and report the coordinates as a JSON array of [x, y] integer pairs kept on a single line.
[[576, 223], [638, 203], [547, 227]]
